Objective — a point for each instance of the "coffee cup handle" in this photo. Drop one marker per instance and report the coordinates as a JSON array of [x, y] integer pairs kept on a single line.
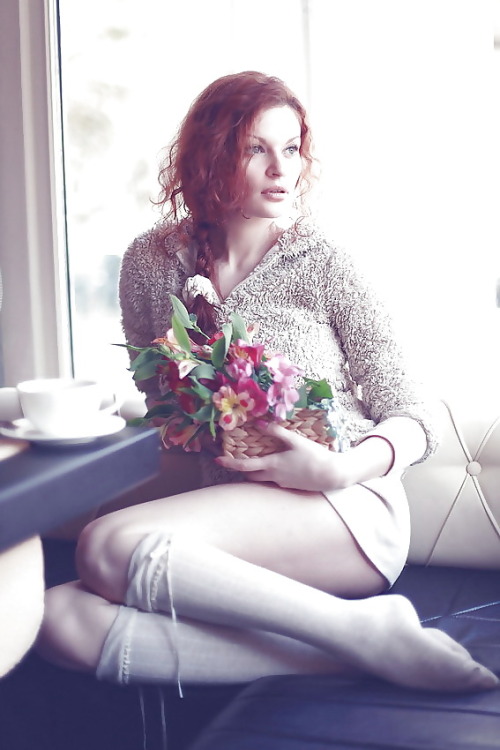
[[113, 407], [10, 406]]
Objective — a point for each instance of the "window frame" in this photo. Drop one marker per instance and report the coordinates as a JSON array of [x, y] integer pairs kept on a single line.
[[35, 326]]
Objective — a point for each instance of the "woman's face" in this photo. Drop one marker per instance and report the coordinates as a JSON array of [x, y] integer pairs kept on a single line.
[[274, 165]]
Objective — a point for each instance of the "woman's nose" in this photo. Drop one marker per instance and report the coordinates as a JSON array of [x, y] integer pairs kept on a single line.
[[275, 166]]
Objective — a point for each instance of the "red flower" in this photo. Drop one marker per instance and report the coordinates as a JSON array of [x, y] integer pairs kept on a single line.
[[252, 352], [169, 377], [215, 337], [251, 397]]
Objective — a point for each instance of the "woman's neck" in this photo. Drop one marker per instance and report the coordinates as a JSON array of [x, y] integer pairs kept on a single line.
[[248, 240], [245, 243]]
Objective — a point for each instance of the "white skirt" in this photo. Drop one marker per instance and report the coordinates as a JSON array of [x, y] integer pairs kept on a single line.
[[378, 517]]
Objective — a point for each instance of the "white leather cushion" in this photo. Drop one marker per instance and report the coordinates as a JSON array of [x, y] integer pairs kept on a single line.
[[454, 496]]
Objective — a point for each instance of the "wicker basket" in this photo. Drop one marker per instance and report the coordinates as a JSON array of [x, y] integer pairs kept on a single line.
[[248, 441]]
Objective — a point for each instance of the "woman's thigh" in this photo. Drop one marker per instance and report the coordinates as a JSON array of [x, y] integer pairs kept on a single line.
[[295, 533]]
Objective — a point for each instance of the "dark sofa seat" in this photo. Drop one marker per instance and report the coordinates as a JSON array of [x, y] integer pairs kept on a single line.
[[46, 708], [292, 713]]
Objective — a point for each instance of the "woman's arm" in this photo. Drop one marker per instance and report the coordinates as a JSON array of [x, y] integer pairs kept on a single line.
[[378, 365], [306, 465], [135, 304]]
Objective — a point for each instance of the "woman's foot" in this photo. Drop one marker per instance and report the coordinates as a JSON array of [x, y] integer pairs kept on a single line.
[[387, 640]]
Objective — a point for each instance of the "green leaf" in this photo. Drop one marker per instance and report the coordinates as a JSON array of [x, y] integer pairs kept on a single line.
[[160, 410], [218, 353], [146, 371], [188, 320], [181, 312], [201, 390], [129, 346], [180, 334], [212, 425], [318, 389], [204, 370], [204, 414], [220, 347], [227, 330], [165, 351], [145, 356], [302, 402], [239, 327]]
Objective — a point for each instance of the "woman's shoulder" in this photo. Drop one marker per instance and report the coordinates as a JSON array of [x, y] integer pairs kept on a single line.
[[162, 241], [154, 258], [310, 239]]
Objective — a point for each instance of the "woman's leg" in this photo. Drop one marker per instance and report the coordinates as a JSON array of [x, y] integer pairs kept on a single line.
[[283, 540], [96, 633], [295, 533], [21, 600]]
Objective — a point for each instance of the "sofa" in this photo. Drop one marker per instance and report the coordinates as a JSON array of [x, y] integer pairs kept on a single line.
[[452, 577]]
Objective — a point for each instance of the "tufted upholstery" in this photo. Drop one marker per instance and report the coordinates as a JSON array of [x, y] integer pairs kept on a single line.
[[454, 496]]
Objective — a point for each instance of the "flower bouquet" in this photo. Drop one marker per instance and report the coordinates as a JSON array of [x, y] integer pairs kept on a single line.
[[227, 388]]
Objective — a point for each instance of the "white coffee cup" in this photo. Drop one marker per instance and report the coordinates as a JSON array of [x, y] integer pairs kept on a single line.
[[10, 406], [64, 406]]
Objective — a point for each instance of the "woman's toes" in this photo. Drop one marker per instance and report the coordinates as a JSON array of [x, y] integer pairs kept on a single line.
[[446, 639], [484, 679]]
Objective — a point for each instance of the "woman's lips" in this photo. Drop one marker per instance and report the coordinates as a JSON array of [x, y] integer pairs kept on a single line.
[[275, 194]]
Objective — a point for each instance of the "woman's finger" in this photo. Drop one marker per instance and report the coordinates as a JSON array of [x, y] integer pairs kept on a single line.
[[241, 464], [290, 438]]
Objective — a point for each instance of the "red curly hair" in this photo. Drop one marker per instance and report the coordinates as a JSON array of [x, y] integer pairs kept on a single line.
[[203, 175]]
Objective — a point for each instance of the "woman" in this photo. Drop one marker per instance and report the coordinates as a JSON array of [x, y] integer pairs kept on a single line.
[[272, 567]]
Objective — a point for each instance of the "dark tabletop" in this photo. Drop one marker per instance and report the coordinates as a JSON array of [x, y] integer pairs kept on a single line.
[[42, 488]]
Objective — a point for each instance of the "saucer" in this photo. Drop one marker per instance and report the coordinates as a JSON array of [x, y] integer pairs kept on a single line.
[[22, 429]]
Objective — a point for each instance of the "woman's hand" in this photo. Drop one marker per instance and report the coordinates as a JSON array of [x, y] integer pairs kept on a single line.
[[302, 465]]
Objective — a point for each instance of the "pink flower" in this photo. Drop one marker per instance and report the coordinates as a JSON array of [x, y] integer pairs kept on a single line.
[[239, 368], [235, 406], [252, 398], [282, 369], [283, 397]]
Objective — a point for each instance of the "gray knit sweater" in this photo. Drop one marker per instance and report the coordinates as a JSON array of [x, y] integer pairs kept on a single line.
[[311, 304]]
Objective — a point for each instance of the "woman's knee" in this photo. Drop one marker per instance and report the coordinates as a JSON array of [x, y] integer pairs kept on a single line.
[[98, 556], [103, 555]]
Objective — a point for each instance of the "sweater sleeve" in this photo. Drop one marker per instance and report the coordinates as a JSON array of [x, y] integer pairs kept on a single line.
[[135, 303], [376, 361]]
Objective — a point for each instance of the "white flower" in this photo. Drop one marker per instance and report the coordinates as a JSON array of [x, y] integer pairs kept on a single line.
[[196, 285]]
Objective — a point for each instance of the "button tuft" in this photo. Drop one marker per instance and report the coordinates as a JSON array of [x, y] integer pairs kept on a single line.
[[474, 468]]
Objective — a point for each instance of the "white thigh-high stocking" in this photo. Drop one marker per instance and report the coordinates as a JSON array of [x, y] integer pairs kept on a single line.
[[380, 635], [144, 647]]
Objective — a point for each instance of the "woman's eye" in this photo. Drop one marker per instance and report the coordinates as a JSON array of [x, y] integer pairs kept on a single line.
[[255, 149], [292, 149]]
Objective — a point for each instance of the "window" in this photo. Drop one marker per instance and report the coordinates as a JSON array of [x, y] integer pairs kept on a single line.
[[405, 107], [125, 87]]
